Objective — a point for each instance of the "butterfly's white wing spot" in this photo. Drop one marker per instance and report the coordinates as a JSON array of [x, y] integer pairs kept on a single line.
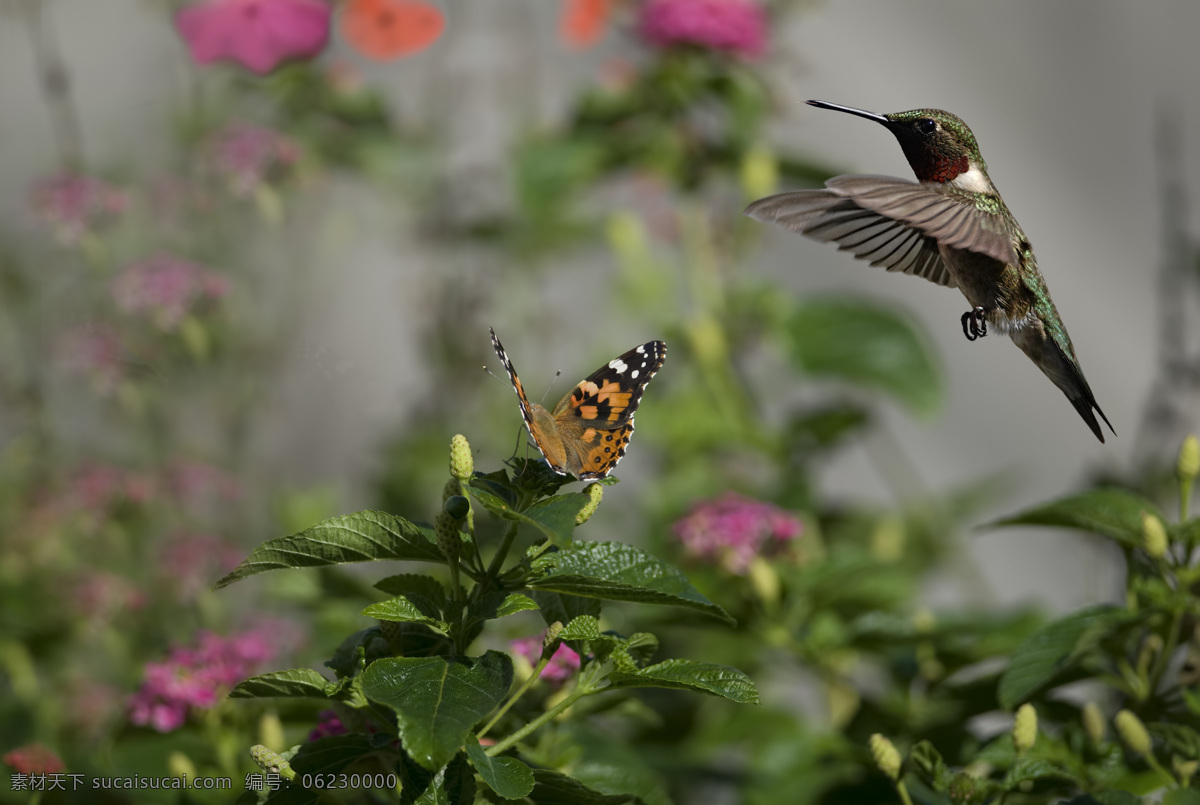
[[619, 366]]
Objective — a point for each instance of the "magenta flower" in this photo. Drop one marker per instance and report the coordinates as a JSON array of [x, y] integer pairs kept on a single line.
[[33, 759], [733, 529], [194, 561], [245, 155], [72, 205], [736, 26], [98, 488], [196, 678], [328, 725], [562, 666], [258, 34], [166, 287]]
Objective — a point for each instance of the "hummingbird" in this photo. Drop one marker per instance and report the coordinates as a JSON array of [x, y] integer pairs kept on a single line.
[[950, 227]]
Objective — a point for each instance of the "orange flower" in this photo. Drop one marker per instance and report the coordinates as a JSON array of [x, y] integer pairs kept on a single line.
[[583, 22], [388, 29]]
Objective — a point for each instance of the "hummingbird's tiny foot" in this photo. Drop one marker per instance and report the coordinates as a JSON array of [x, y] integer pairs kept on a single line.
[[974, 323]]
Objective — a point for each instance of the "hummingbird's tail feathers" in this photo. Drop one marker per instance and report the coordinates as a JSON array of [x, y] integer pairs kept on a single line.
[[830, 217], [1076, 387]]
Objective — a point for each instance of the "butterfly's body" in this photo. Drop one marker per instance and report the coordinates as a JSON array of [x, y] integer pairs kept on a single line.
[[952, 228], [587, 432]]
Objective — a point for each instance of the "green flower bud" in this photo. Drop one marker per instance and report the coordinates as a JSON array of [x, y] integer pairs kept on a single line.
[[552, 633], [764, 580], [962, 787], [462, 463], [180, 765], [1093, 722], [759, 172], [445, 527], [271, 761], [887, 759], [457, 506], [1154, 536], [452, 488], [270, 730], [1188, 465], [1185, 770], [1025, 728], [594, 492], [1133, 732], [392, 633], [887, 540]]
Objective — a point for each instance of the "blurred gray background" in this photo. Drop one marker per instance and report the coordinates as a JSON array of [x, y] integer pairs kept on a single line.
[[1062, 96]]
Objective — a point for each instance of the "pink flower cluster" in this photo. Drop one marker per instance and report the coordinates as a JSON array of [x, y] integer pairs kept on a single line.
[[194, 561], [736, 26], [328, 726], [72, 205], [196, 678], [33, 759], [733, 529], [258, 34], [562, 666], [99, 487], [246, 154], [166, 287]]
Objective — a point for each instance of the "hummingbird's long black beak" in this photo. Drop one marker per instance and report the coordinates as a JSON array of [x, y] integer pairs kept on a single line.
[[837, 107]]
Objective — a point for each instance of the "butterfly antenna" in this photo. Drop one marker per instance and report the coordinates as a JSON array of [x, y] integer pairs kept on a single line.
[[557, 375]]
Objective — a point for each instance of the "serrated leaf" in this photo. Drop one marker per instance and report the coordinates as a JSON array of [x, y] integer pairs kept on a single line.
[[702, 677], [585, 627], [555, 788], [867, 344], [507, 776], [620, 572], [1114, 513], [438, 700], [401, 610], [514, 603], [553, 517], [296, 683], [426, 592], [1026, 768], [1052, 649], [361, 537]]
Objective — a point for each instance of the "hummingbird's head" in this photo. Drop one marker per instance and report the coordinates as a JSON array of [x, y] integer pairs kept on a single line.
[[937, 144]]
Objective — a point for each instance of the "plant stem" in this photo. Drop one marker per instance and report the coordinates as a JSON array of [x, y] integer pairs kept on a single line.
[[528, 683], [578, 693], [502, 552], [56, 86], [902, 790]]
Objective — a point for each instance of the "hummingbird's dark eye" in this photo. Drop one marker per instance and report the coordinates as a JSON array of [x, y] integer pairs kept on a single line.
[[926, 126]]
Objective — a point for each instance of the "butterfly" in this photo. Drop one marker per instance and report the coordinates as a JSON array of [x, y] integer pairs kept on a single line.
[[587, 432]]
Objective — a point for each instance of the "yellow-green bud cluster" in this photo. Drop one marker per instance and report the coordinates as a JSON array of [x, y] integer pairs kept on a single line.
[[445, 528], [594, 492], [462, 463], [887, 758], [1133, 732], [1093, 722], [1025, 728], [271, 761], [1185, 770], [1154, 536], [453, 487]]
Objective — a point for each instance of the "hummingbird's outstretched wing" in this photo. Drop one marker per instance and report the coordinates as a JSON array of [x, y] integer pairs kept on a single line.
[[890, 222]]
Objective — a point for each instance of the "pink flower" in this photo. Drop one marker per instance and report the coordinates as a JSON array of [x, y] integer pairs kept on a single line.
[[167, 287], [737, 26], [258, 34], [562, 666], [73, 205], [198, 485], [245, 155], [328, 725], [98, 488], [733, 529], [34, 759], [100, 597], [196, 678]]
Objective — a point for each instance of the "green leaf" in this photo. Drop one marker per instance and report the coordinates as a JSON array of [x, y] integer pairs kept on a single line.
[[867, 344], [585, 627], [426, 592], [620, 572], [564, 608], [702, 677], [553, 517], [514, 603], [1052, 649], [453, 785], [1181, 796], [296, 683], [555, 788], [1111, 797], [507, 776], [1027, 768], [438, 700], [1114, 513], [401, 610], [361, 537], [928, 763]]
